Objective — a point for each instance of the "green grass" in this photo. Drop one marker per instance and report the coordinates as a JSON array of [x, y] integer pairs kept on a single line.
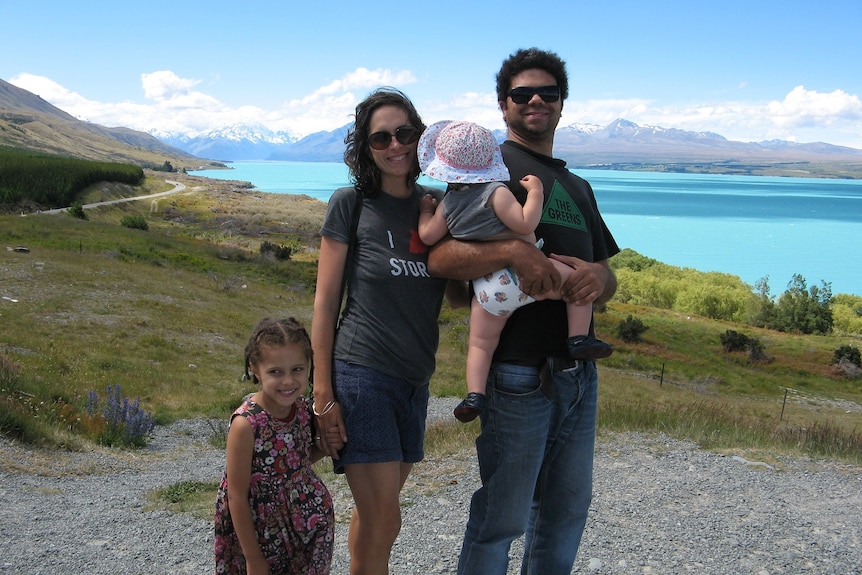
[[166, 312], [194, 497]]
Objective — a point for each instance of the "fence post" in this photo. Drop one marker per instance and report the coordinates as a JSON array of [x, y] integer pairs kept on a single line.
[[783, 403]]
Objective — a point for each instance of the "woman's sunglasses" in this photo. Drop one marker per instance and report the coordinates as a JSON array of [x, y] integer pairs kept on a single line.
[[523, 94], [404, 134]]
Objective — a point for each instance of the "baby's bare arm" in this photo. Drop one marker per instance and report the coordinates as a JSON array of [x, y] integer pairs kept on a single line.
[[432, 223], [535, 199], [521, 220]]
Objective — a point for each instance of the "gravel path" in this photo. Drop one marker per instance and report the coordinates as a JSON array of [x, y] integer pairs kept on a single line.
[[661, 506]]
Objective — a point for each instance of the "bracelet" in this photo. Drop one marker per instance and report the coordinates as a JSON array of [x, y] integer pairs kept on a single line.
[[326, 409]]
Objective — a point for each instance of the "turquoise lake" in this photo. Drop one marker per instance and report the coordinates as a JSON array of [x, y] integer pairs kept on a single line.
[[748, 226]]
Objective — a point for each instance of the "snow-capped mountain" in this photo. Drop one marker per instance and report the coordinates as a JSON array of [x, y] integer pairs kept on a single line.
[[237, 142]]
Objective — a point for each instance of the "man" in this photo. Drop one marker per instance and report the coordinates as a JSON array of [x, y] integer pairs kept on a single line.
[[536, 446]]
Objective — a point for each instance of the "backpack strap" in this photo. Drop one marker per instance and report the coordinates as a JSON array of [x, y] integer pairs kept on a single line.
[[354, 225]]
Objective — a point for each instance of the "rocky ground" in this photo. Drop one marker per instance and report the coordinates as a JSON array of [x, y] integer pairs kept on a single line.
[[661, 506]]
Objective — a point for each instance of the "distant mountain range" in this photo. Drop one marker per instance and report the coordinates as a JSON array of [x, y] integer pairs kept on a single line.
[[28, 121], [619, 145]]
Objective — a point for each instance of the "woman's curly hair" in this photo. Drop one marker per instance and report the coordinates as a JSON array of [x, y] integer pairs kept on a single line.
[[364, 173]]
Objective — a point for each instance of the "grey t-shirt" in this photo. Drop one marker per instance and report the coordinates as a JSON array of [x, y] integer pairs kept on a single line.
[[389, 322], [469, 216]]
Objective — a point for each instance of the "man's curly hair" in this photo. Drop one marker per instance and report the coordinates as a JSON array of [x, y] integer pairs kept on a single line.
[[532, 59]]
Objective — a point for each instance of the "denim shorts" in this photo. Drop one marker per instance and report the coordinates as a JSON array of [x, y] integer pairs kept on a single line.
[[384, 416]]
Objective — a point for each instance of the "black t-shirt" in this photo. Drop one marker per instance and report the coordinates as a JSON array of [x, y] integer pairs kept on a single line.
[[571, 225]]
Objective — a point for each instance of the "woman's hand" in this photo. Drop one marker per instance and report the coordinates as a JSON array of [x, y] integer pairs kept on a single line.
[[334, 434]]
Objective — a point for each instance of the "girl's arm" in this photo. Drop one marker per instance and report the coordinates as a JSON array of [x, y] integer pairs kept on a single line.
[[327, 306], [520, 219], [240, 446], [333, 439], [432, 223]]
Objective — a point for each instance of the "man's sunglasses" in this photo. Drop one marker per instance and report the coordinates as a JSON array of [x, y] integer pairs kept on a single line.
[[523, 94], [404, 134]]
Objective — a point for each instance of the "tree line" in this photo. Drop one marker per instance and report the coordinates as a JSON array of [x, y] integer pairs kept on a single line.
[[51, 181], [800, 309]]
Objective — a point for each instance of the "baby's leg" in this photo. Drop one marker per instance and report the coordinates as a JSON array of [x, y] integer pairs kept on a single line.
[[580, 317], [484, 336], [579, 343]]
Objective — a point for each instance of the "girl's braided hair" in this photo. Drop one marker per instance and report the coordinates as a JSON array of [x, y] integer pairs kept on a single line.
[[272, 333]]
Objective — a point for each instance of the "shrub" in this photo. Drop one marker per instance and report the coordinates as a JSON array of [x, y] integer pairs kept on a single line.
[[77, 210], [280, 252], [756, 352], [631, 329], [124, 422], [135, 222], [849, 353], [734, 341]]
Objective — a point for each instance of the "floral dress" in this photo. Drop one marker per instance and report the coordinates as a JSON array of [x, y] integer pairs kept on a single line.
[[290, 505]]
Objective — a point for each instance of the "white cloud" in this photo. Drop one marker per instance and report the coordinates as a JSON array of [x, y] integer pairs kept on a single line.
[[802, 116], [803, 107], [165, 85], [332, 106], [49, 91], [364, 78], [176, 105], [479, 107]]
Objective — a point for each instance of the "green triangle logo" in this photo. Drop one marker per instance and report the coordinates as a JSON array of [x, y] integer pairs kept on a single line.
[[561, 210]]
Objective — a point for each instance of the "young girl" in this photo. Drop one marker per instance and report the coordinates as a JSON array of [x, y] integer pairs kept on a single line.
[[478, 206], [273, 514]]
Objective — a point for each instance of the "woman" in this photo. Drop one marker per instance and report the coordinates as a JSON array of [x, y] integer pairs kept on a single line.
[[371, 374]]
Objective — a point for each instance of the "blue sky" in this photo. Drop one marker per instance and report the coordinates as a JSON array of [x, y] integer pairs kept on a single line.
[[750, 71]]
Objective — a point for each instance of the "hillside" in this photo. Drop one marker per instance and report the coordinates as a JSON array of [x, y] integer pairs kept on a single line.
[[29, 122]]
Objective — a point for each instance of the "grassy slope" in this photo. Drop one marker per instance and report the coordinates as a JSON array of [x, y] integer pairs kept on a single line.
[[53, 134], [165, 313]]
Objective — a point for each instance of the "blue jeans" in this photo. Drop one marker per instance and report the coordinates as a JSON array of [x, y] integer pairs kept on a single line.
[[536, 465]]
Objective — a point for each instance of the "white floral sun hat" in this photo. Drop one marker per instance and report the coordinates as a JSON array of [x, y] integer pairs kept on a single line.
[[461, 153]]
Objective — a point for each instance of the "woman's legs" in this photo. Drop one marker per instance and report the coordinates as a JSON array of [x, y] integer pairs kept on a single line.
[[376, 519]]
